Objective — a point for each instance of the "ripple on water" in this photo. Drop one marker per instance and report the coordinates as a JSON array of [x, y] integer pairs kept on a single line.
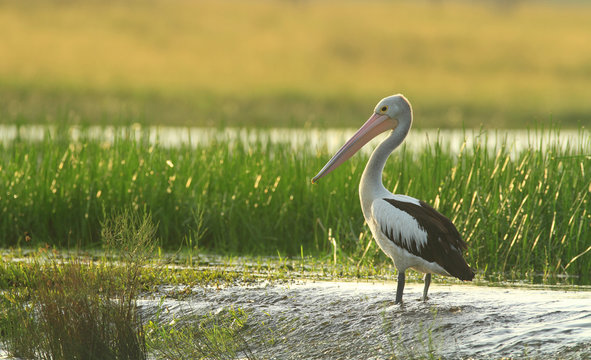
[[361, 321]]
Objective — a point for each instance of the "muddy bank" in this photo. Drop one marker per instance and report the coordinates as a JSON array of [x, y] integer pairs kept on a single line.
[[331, 320]]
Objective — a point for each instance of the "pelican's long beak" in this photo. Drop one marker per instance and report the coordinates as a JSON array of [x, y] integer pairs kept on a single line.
[[374, 126]]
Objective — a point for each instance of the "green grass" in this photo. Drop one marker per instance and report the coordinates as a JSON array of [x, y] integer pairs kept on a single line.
[[75, 307], [72, 311], [220, 336], [281, 63], [85, 306], [524, 214], [78, 309], [426, 347]]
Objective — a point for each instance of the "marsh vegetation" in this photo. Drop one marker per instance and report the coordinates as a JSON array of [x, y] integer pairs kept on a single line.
[[74, 306], [118, 243], [521, 213], [227, 308]]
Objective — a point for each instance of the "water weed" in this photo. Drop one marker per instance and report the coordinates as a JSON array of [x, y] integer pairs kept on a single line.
[[413, 342], [213, 336]]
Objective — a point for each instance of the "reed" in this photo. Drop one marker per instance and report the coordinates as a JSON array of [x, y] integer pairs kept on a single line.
[[525, 212]]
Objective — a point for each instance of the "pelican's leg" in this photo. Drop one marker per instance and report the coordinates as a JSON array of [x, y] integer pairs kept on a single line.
[[400, 287], [427, 283]]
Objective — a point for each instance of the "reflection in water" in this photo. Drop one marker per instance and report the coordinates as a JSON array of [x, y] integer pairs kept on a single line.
[[319, 320]]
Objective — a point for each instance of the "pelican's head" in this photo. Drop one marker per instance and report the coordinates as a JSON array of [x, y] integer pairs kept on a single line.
[[391, 113], [393, 106]]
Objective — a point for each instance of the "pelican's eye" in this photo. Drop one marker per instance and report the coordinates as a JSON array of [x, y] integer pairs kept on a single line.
[[384, 109]]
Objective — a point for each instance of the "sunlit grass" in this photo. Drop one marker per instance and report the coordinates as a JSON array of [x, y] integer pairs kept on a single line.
[[75, 307], [522, 213], [226, 335], [283, 63]]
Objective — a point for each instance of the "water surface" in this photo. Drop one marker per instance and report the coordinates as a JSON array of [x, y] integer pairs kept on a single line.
[[312, 139], [348, 320]]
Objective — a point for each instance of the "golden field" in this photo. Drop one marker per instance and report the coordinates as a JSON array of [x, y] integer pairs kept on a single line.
[[294, 63]]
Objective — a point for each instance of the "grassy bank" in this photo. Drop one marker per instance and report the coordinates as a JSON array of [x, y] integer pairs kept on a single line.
[[73, 307], [89, 306], [519, 213], [282, 63], [129, 302]]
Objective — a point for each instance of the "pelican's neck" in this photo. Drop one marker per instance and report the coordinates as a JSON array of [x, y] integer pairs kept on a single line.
[[371, 186]]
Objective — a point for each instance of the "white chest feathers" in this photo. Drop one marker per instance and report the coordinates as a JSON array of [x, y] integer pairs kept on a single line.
[[398, 224]]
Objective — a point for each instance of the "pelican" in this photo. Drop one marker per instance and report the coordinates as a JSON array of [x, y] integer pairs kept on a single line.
[[409, 231]]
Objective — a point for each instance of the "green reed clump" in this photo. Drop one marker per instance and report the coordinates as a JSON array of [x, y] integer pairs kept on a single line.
[[71, 312], [76, 309], [519, 212], [522, 212]]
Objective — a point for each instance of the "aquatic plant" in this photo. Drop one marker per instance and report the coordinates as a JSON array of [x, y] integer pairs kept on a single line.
[[413, 343], [81, 310], [523, 212], [212, 336]]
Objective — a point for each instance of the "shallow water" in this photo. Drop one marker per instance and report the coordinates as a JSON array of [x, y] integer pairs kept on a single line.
[[313, 139], [331, 320]]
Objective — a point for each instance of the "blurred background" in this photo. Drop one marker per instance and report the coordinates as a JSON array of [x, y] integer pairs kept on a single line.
[[491, 64]]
